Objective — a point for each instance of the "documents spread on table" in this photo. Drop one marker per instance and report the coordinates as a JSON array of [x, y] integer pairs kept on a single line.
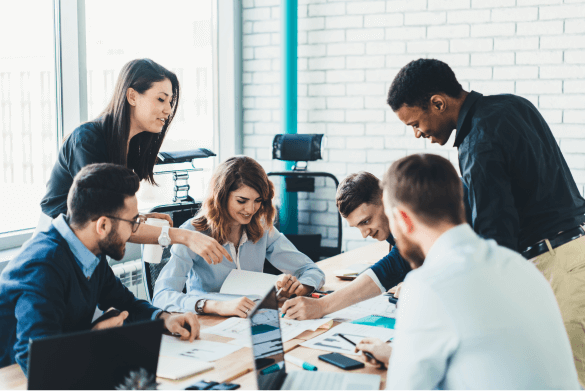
[[198, 349], [239, 329], [332, 342], [250, 284], [378, 305], [174, 367]]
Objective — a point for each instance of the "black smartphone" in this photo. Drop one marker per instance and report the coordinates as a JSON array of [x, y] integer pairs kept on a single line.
[[106, 315], [392, 299], [341, 361]]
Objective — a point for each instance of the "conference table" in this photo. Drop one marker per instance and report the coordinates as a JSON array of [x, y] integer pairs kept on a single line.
[[238, 366]]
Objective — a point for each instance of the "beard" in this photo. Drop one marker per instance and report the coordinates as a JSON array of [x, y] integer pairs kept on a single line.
[[409, 250], [113, 246]]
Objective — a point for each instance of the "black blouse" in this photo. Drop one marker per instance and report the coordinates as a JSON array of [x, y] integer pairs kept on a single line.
[[86, 145]]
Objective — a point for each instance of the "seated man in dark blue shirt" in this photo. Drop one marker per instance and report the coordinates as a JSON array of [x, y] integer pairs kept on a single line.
[[54, 285], [359, 200]]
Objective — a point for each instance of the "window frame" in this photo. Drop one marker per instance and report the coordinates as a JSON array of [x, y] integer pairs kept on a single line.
[[69, 34]]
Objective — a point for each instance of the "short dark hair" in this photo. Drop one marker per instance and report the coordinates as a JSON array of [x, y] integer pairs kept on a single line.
[[419, 80], [98, 190], [356, 189], [429, 185]]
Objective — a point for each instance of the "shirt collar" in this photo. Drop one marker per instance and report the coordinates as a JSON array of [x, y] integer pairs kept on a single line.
[[454, 237], [391, 240], [465, 115], [86, 260]]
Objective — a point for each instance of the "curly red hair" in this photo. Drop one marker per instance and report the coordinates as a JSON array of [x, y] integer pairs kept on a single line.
[[230, 176]]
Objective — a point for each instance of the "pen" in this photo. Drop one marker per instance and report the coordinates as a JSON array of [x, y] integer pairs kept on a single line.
[[368, 354], [291, 297], [300, 363], [280, 290]]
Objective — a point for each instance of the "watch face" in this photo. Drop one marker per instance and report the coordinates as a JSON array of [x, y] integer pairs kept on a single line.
[[164, 240]]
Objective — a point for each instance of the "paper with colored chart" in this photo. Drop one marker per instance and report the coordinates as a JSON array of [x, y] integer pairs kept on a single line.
[[239, 329], [378, 305], [332, 342]]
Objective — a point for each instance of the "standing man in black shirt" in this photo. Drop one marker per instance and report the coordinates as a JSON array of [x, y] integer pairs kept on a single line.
[[521, 191]]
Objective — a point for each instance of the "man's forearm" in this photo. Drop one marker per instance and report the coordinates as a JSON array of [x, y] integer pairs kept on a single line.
[[362, 288]]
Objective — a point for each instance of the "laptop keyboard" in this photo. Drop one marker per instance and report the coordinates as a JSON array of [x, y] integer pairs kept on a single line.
[[317, 381]]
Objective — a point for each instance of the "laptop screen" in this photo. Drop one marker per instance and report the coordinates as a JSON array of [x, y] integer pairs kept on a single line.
[[267, 343]]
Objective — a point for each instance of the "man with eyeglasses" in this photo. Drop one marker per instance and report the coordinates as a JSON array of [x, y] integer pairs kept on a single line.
[[54, 285]]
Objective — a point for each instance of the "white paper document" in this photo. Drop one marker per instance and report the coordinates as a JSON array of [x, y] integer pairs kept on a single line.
[[198, 349], [332, 342], [173, 367], [239, 329], [378, 305], [250, 284]]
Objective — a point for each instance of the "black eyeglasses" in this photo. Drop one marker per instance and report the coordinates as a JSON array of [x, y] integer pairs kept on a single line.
[[135, 223]]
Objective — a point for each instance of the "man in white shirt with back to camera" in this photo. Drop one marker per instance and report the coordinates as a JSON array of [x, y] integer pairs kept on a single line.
[[472, 314]]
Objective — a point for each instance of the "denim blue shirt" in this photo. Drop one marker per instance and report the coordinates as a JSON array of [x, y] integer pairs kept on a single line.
[[86, 260], [203, 280]]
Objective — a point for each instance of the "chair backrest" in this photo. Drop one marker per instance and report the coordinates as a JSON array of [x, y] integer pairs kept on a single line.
[[179, 214], [310, 244]]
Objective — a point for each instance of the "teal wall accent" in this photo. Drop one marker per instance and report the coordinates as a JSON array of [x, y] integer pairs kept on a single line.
[[289, 214]]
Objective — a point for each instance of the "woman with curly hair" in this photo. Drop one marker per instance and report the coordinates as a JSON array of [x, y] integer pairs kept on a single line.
[[238, 213]]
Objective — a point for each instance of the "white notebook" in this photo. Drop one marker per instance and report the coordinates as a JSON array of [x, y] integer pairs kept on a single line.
[[253, 285], [352, 271], [177, 367]]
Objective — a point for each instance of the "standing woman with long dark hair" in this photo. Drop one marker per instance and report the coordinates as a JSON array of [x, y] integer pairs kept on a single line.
[[129, 132]]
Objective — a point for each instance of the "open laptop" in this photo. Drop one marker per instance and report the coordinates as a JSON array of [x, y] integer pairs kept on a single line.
[[93, 360], [269, 363]]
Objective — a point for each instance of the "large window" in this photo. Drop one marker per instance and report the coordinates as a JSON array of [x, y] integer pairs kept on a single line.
[[28, 124], [177, 35]]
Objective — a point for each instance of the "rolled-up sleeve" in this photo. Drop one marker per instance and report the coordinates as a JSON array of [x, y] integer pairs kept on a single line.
[[284, 256]]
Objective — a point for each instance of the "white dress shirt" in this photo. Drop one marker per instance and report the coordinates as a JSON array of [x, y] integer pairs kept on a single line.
[[477, 315]]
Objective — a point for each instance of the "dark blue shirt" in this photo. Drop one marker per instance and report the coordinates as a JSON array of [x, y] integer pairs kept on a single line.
[[85, 145], [44, 292], [392, 269], [520, 187]]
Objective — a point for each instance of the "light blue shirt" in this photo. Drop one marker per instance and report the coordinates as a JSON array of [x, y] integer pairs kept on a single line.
[[477, 315], [203, 280], [86, 260]]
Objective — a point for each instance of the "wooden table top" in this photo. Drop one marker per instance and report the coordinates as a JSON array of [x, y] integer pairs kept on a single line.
[[238, 366]]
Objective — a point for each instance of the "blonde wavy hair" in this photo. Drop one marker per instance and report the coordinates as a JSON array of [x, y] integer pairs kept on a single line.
[[229, 176]]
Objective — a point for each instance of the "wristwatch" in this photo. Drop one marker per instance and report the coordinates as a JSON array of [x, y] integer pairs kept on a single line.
[[199, 305], [164, 239]]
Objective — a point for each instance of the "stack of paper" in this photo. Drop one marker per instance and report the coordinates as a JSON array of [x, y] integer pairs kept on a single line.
[[197, 350], [177, 367], [351, 272], [250, 284], [378, 305], [332, 342], [239, 329]]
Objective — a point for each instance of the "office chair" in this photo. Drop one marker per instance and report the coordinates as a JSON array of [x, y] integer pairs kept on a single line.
[[302, 148], [182, 209]]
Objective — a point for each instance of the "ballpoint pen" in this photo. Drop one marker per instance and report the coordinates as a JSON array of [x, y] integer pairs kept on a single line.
[[367, 354]]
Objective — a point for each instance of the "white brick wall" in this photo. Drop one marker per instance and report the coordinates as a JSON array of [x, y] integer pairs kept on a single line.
[[349, 52]]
